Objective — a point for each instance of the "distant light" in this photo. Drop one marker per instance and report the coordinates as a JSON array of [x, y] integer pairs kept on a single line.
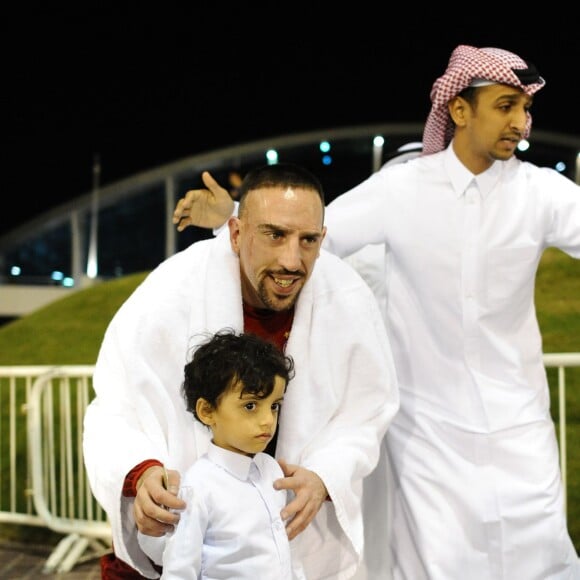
[[326, 160], [324, 146], [68, 282], [272, 156], [57, 276], [560, 166], [92, 269], [15, 271], [379, 141], [524, 145]]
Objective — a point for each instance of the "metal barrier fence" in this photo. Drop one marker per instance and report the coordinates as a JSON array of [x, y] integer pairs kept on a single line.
[[43, 481], [561, 361]]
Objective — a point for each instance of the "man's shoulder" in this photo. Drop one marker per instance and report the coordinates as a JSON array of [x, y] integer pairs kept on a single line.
[[335, 273], [409, 169], [172, 278], [331, 263], [184, 260]]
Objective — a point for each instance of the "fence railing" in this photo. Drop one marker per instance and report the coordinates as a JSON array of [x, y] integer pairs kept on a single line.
[[561, 361], [43, 481]]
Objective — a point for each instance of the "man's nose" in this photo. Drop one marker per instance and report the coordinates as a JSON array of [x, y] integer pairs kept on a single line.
[[290, 255], [519, 121]]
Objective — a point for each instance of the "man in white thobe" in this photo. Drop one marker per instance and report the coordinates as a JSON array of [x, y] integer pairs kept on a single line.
[[476, 484]]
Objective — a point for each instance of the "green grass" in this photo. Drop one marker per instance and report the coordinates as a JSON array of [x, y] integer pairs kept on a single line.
[[70, 331]]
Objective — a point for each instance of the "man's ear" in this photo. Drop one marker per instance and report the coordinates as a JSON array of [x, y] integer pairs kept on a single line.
[[204, 411], [234, 227], [458, 109]]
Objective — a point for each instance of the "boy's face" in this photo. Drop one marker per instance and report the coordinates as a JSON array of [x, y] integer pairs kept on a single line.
[[244, 423]]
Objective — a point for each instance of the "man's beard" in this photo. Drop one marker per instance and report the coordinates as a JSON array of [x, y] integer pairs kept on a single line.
[[276, 304]]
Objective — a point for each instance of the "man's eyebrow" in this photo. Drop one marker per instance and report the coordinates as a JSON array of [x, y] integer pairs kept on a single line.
[[278, 228], [270, 227], [516, 97]]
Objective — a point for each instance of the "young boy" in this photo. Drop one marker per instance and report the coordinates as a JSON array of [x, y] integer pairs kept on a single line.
[[231, 527]]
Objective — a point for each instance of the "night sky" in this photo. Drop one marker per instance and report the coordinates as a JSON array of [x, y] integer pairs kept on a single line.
[[145, 88]]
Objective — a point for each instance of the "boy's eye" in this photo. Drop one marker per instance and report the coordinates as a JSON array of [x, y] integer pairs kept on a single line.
[[276, 406], [250, 406]]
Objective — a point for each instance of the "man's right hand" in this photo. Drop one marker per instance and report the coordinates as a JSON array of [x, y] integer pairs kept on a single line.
[[154, 503], [206, 208]]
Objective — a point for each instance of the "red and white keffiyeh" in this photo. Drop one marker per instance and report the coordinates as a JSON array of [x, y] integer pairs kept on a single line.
[[468, 65]]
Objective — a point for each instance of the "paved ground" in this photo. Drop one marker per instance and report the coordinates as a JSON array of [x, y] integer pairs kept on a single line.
[[20, 561]]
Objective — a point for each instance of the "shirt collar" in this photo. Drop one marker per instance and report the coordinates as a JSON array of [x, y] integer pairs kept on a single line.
[[461, 177], [235, 463]]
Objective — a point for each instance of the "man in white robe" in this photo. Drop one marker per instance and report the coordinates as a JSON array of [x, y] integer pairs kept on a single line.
[[476, 483], [335, 413]]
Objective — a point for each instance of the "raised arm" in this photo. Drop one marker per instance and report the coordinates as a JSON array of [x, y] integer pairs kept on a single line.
[[207, 208]]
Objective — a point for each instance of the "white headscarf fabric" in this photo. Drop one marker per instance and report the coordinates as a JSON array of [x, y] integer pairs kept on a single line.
[[469, 66]]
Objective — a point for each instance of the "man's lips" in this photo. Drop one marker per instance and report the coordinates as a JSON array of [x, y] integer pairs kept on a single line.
[[512, 138]]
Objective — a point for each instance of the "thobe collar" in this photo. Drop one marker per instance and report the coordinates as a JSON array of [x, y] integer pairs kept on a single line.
[[235, 463], [461, 178]]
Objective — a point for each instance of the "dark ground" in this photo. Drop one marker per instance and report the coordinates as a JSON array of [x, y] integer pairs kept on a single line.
[[26, 561]]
